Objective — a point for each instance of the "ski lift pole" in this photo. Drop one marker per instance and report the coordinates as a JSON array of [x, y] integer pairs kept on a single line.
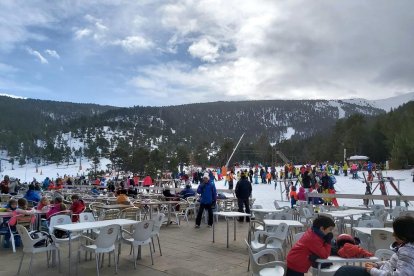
[[235, 148]]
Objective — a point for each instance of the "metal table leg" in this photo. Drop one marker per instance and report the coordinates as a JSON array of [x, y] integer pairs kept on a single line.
[[234, 225], [227, 220]]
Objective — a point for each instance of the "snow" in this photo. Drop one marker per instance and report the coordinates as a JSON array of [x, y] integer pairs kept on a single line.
[[264, 194], [12, 96], [290, 131], [341, 112], [393, 102]]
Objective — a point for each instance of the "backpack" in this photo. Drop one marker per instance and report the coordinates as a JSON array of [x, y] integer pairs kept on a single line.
[[47, 239]]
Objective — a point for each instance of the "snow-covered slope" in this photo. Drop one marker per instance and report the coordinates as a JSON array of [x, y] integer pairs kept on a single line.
[[393, 102]]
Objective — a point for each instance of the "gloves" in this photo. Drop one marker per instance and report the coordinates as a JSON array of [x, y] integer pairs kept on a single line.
[[328, 238]]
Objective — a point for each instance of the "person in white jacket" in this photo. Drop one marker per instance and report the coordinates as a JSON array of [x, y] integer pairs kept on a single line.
[[401, 262]]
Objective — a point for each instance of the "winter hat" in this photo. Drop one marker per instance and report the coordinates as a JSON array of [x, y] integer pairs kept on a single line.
[[206, 175]]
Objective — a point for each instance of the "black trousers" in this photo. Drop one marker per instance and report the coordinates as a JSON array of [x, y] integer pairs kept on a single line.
[[352, 270], [291, 272], [245, 202], [200, 214]]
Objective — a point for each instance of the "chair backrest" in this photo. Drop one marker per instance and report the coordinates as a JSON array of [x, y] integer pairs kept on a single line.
[[382, 239], [276, 204], [297, 236], [58, 220], [86, 217], [25, 237], [384, 254], [254, 262], [110, 214], [107, 236], [282, 231], [370, 223], [407, 213], [377, 207], [130, 213], [397, 210], [283, 216], [158, 220], [307, 213], [143, 230]]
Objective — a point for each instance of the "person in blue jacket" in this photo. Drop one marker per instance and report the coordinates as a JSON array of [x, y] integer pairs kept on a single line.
[[187, 192], [208, 193], [32, 195]]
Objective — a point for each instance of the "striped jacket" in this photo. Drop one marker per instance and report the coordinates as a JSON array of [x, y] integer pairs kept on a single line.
[[400, 264]]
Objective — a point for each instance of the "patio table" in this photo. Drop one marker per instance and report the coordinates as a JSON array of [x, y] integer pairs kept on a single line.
[[367, 230], [228, 215], [84, 226], [337, 259]]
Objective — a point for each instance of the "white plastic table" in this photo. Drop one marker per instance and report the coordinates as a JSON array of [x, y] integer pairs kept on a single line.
[[337, 259], [83, 226], [228, 215], [341, 214], [367, 230], [276, 222]]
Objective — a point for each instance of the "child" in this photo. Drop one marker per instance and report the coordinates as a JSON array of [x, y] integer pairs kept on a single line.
[[315, 243], [58, 206], [44, 202], [22, 209], [301, 194], [78, 206], [347, 247], [293, 196], [401, 262], [12, 205]]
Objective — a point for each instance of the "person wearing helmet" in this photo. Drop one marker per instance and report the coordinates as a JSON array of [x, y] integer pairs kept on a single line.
[[348, 247], [401, 262], [4, 185]]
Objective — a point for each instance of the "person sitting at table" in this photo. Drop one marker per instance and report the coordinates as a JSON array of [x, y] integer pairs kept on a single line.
[[57, 207], [122, 197], [348, 247], [51, 186], [44, 202], [187, 192], [314, 244], [132, 191], [78, 206], [95, 191], [168, 195], [4, 185], [11, 205], [32, 195], [22, 209], [401, 262]]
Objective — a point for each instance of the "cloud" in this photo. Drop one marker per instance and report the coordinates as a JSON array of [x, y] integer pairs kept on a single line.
[[134, 44], [81, 33], [38, 55], [7, 69], [52, 53], [204, 50]]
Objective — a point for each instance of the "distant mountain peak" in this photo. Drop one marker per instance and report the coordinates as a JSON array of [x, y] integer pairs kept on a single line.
[[13, 96]]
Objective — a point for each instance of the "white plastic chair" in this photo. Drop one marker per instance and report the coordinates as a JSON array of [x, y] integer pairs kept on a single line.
[[104, 243], [397, 210], [140, 236], [308, 216], [182, 213], [366, 241], [275, 240], [60, 220], [158, 220], [381, 239], [297, 236], [29, 247], [265, 269], [21, 219]]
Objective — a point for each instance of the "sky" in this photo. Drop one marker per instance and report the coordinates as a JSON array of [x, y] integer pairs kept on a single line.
[[160, 52]]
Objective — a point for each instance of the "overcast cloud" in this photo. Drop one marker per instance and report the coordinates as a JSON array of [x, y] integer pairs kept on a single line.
[[128, 53]]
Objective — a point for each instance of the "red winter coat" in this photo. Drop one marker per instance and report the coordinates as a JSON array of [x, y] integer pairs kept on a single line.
[[310, 243], [77, 208], [350, 250], [147, 181]]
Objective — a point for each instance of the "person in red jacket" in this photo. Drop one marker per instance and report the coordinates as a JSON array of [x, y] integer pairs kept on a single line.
[[348, 247], [78, 206], [314, 244]]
